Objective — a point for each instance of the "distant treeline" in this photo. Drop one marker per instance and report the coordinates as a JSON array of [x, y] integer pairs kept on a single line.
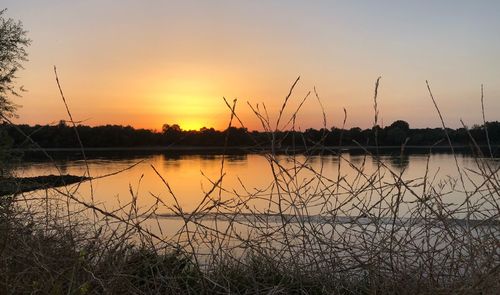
[[63, 135]]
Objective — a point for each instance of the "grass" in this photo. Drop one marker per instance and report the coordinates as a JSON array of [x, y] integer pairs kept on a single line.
[[366, 233]]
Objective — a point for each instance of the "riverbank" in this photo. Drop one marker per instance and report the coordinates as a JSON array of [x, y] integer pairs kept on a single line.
[[34, 153], [251, 148], [16, 185]]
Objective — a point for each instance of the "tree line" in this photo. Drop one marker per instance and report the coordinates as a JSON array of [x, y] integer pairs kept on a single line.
[[398, 133]]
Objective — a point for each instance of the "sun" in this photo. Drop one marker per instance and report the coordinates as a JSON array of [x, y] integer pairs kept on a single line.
[[191, 101], [191, 124]]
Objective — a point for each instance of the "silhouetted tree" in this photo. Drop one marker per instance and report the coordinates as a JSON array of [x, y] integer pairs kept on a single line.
[[403, 125], [62, 135], [172, 133], [171, 128], [395, 136], [5, 156], [237, 136], [13, 43], [397, 132]]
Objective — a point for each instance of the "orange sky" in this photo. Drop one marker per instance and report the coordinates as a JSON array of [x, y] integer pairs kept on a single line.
[[149, 63]]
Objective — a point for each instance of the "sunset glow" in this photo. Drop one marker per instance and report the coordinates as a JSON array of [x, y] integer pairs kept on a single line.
[[191, 125], [173, 62]]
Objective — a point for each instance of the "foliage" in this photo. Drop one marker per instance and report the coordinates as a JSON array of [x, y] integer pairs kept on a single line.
[[13, 43], [62, 136], [5, 154], [403, 125], [51, 258]]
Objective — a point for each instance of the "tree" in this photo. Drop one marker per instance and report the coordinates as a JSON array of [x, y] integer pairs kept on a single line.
[[171, 133], [397, 132], [171, 128], [403, 125], [13, 44]]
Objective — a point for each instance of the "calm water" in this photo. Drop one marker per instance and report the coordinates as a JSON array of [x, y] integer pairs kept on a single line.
[[191, 176]]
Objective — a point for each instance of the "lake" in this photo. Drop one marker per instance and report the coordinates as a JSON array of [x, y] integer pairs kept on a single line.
[[191, 176], [297, 202]]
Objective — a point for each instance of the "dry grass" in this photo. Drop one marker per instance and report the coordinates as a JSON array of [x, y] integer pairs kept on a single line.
[[363, 233]]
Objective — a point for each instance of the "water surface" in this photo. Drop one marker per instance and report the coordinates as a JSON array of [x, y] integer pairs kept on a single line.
[[191, 176]]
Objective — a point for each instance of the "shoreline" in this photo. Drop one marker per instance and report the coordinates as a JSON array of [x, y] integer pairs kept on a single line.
[[248, 149], [17, 185]]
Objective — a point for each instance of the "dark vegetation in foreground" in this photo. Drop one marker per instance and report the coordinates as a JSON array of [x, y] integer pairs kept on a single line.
[[45, 257], [398, 133]]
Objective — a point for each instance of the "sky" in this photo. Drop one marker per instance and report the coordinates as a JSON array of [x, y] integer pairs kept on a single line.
[[147, 63]]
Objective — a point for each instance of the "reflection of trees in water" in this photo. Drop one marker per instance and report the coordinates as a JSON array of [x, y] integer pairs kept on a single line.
[[170, 160], [394, 160], [485, 163], [357, 159], [63, 167], [334, 158], [237, 158], [232, 158], [314, 159], [175, 159], [399, 161], [209, 157]]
